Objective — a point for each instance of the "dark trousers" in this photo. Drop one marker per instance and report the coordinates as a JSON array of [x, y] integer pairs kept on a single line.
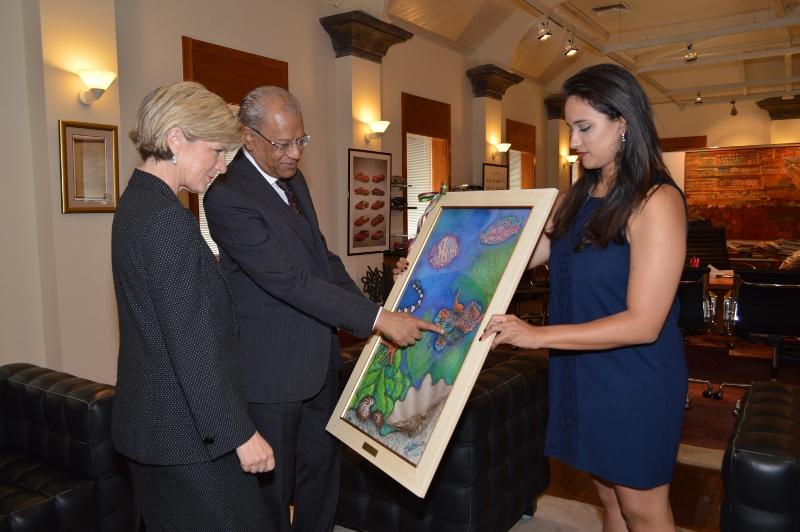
[[208, 496], [306, 461]]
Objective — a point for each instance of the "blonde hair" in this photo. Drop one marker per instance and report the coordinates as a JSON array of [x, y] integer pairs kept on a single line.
[[199, 113]]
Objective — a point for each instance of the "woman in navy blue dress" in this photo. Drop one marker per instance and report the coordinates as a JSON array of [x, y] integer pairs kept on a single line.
[[616, 246]]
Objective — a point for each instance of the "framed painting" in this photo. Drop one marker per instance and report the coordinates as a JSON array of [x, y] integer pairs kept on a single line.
[[495, 176], [89, 167], [401, 405], [368, 201]]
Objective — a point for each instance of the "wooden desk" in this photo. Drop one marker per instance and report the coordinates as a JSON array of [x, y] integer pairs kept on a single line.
[[720, 283]]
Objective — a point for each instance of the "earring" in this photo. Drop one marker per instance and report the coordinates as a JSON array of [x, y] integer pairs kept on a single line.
[[175, 157], [624, 138]]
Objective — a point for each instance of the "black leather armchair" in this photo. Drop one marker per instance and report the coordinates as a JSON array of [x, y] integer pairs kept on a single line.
[[58, 469], [765, 305], [761, 466], [492, 471]]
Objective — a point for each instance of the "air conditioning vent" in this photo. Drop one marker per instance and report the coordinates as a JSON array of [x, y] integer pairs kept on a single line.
[[611, 8]]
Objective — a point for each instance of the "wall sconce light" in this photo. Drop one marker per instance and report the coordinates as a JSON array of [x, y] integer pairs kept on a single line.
[[567, 160], [96, 81], [698, 100], [734, 111], [570, 48], [500, 148], [544, 30], [378, 128]]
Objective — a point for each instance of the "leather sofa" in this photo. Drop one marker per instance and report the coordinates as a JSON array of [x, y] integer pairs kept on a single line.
[[58, 469], [761, 466], [492, 471]]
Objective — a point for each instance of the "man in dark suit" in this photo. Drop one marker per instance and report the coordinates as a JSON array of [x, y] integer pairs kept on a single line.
[[291, 295]]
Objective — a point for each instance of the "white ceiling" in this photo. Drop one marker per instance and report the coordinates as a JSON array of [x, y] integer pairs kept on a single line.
[[747, 49]]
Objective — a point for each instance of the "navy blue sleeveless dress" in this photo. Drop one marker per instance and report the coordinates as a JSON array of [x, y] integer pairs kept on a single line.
[[616, 413]]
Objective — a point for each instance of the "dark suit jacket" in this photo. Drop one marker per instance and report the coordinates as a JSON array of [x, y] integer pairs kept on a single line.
[[179, 394], [291, 293]]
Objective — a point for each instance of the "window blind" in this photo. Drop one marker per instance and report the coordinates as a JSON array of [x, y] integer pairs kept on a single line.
[[202, 218], [514, 170], [418, 173]]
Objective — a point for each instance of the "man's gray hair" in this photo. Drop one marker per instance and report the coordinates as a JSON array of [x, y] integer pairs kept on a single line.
[[251, 110]]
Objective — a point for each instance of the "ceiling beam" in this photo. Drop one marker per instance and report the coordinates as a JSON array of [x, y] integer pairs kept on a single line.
[[780, 12], [781, 22], [738, 98], [715, 60], [739, 85]]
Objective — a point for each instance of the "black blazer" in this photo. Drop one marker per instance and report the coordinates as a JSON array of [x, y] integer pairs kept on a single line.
[[179, 394], [291, 292]]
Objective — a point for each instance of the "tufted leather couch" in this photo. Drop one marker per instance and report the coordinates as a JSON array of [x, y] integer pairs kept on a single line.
[[58, 469], [761, 466], [492, 471]]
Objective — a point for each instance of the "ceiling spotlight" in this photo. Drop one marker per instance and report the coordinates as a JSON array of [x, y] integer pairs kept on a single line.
[[544, 30], [690, 54], [734, 111], [698, 99], [570, 48]]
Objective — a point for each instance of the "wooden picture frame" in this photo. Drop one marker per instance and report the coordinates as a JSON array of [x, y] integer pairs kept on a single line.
[[400, 406], [89, 167], [495, 176], [368, 201]]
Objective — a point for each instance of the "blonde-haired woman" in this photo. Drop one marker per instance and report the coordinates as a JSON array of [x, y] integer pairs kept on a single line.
[[179, 416]]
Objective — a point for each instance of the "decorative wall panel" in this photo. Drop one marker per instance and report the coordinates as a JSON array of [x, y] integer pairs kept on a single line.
[[753, 192]]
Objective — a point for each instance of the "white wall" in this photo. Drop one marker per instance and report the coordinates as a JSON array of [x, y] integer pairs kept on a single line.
[[751, 126], [84, 294], [785, 131], [422, 68], [58, 305], [21, 308]]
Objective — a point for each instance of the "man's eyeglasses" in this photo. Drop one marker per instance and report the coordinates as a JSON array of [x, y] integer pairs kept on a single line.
[[283, 147]]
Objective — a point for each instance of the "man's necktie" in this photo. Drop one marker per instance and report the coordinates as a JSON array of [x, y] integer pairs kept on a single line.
[[290, 196]]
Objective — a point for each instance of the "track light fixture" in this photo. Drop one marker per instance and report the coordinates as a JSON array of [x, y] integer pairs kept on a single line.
[[690, 54], [698, 100], [544, 30], [734, 111], [570, 48]]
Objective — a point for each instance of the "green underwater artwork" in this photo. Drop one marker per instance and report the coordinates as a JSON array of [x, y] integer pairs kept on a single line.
[[400, 395]]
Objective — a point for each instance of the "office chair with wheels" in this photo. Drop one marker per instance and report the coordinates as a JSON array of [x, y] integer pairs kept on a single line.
[[764, 307], [697, 312]]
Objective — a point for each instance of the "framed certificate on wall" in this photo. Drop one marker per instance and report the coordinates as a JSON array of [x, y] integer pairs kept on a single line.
[[495, 176]]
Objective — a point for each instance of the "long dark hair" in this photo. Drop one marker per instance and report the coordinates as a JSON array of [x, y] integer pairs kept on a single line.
[[613, 91]]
